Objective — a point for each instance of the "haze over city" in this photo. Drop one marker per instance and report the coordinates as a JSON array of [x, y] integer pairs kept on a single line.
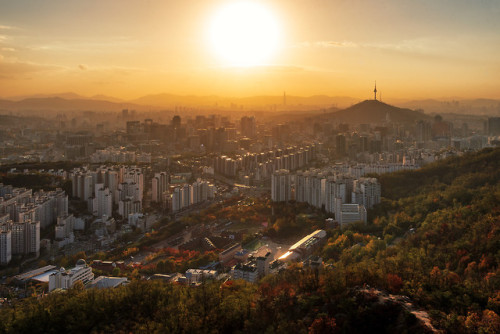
[[415, 49], [250, 166]]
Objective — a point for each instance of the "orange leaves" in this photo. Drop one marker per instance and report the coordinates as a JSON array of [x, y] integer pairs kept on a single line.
[[130, 251], [471, 269], [487, 322], [485, 262], [364, 238], [452, 278], [444, 277], [324, 324]]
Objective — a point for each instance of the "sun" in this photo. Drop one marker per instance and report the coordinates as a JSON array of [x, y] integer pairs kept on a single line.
[[244, 33]]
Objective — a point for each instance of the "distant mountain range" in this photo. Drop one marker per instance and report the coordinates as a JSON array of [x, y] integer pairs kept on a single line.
[[74, 102], [61, 104], [263, 101], [471, 106]]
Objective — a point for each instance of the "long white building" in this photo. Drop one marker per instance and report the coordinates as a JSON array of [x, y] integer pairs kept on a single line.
[[65, 279], [191, 194]]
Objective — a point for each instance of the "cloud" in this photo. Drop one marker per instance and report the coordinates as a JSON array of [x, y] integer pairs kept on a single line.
[[336, 44], [83, 67], [327, 44], [8, 49], [428, 47], [260, 68], [5, 27], [282, 68], [419, 44], [15, 69]]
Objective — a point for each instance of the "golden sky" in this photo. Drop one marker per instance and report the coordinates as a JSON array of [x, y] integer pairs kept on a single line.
[[130, 48]]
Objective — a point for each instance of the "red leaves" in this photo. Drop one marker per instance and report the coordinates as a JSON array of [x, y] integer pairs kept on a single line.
[[324, 324], [394, 283]]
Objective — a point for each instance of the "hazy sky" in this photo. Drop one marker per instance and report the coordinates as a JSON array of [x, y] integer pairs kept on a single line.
[[129, 48]]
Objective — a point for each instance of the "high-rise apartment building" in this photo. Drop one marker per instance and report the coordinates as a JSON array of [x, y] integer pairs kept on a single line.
[[367, 192], [281, 188], [5, 247], [159, 185]]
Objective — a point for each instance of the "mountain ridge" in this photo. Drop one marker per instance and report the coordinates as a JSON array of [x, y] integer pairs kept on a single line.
[[161, 101], [374, 111]]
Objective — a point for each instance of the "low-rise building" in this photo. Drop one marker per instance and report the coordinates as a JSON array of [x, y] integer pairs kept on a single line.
[[228, 254], [65, 279], [195, 276], [305, 246], [350, 213], [254, 269], [105, 282], [245, 271]]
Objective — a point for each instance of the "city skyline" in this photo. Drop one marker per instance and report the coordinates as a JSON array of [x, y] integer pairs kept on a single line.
[[127, 50]]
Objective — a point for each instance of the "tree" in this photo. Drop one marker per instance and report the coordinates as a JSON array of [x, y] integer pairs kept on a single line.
[[322, 325], [394, 283], [116, 271]]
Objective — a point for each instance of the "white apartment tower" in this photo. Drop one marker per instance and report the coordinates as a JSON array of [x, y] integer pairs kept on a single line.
[[176, 199], [334, 189], [186, 196], [317, 190], [159, 185], [367, 192], [281, 189], [25, 238], [103, 202], [134, 175], [5, 247]]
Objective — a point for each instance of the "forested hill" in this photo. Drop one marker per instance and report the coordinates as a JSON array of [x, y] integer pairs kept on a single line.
[[441, 227], [431, 250], [469, 171], [375, 112]]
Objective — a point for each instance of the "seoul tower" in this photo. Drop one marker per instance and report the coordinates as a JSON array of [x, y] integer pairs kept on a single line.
[[375, 91]]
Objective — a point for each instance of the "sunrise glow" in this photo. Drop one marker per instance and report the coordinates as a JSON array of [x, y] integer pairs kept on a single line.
[[243, 34]]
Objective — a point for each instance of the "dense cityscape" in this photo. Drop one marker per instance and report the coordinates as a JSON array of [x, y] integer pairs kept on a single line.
[[249, 166], [131, 208]]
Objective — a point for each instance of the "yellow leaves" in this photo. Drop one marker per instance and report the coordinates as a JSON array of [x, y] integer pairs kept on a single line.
[[435, 273], [342, 241], [361, 238], [130, 251], [487, 322]]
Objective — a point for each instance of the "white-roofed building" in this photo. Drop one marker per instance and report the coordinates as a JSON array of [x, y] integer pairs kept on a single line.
[[65, 279]]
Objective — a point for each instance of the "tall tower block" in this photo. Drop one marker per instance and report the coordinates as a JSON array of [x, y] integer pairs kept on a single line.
[[375, 91]]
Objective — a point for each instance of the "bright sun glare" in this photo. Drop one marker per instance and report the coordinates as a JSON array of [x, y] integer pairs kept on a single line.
[[244, 33]]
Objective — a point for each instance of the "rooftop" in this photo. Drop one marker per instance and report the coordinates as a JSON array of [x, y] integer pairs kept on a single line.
[[103, 282]]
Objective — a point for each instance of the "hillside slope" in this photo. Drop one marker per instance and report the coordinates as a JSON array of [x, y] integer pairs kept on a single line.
[[373, 111], [431, 251]]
